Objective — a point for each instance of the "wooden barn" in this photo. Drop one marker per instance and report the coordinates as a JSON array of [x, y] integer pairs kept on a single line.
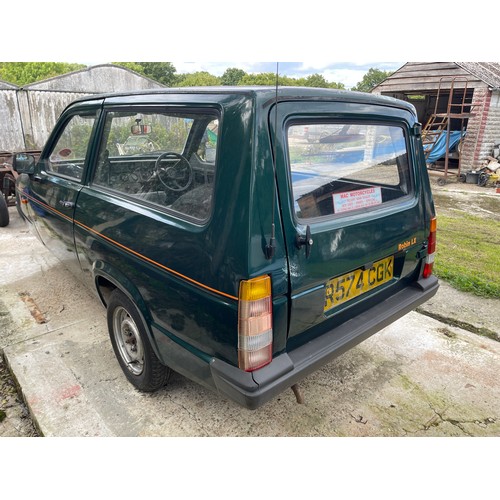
[[458, 104], [28, 114]]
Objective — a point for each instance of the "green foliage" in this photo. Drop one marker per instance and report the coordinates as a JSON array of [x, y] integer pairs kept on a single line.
[[169, 135], [132, 66], [232, 76], [198, 79], [79, 140], [315, 80], [161, 72], [266, 79], [319, 81], [467, 254], [371, 79], [24, 73]]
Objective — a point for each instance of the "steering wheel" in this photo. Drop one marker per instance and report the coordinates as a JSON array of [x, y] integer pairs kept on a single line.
[[176, 176]]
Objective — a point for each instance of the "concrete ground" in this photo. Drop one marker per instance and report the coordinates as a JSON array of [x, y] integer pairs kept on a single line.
[[418, 377]]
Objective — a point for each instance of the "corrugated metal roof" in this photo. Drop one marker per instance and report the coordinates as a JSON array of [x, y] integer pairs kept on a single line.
[[488, 72], [95, 79]]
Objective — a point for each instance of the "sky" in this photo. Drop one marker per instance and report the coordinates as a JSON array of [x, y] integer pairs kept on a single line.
[[348, 73], [340, 41]]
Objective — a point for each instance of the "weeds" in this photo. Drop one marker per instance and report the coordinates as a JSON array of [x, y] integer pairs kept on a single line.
[[468, 255]]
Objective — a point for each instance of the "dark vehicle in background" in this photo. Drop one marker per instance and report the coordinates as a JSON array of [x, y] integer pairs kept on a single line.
[[225, 243], [8, 176]]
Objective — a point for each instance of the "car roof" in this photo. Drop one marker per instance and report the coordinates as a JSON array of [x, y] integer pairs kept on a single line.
[[265, 94]]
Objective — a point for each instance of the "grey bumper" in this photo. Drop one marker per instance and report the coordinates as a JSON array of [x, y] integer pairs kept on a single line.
[[256, 388]]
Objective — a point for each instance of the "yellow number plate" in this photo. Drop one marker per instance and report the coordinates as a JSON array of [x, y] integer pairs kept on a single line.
[[350, 285]]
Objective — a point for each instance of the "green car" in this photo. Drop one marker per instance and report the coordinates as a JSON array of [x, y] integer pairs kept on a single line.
[[235, 248]]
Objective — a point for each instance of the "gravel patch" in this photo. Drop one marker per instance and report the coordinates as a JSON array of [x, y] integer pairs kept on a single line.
[[15, 420]]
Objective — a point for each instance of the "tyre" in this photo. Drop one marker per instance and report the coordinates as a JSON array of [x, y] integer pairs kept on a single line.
[[9, 188], [483, 179], [131, 345], [4, 211]]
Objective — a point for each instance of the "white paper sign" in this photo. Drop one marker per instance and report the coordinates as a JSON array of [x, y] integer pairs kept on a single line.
[[354, 200]]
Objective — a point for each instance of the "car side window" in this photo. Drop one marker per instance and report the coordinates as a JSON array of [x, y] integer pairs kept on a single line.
[[165, 158], [70, 151]]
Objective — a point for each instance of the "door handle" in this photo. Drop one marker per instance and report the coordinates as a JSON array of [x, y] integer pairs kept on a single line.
[[66, 204], [306, 241]]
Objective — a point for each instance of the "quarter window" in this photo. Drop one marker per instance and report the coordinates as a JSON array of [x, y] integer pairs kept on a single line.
[[69, 154], [341, 168]]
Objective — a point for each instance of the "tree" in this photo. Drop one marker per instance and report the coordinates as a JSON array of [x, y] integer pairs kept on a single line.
[[317, 80], [197, 79], [161, 72], [371, 79], [24, 73], [232, 76], [267, 79]]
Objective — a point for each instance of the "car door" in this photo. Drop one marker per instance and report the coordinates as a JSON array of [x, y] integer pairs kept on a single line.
[[353, 223], [58, 178]]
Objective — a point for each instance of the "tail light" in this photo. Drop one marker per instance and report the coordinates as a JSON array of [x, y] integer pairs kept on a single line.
[[255, 323], [431, 248]]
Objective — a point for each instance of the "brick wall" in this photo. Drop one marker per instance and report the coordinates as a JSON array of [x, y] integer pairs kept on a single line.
[[483, 129], [475, 129], [491, 135]]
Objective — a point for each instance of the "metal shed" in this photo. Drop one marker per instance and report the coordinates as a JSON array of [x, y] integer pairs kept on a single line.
[[28, 114], [460, 97]]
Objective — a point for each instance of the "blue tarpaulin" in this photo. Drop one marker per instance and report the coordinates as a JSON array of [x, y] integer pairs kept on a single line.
[[439, 149]]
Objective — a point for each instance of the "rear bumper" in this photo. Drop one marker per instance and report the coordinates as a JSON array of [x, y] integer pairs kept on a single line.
[[254, 389]]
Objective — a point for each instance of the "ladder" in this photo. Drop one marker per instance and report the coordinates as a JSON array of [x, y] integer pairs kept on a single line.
[[439, 123]]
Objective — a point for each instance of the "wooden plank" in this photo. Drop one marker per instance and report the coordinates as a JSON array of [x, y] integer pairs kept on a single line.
[[425, 76], [409, 67], [435, 74], [416, 87]]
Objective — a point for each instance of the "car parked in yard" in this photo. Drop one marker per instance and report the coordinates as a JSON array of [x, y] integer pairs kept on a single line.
[[230, 249]]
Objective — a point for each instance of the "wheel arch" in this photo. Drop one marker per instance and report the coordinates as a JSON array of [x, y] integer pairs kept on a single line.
[[108, 279]]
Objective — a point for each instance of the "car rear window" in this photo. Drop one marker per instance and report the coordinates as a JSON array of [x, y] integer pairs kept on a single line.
[[342, 168]]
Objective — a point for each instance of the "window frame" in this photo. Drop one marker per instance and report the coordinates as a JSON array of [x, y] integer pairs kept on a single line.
[[45, 161], [409, 178], [211, 112]]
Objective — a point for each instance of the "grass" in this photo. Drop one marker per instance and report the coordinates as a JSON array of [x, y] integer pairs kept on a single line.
[[468, 254]]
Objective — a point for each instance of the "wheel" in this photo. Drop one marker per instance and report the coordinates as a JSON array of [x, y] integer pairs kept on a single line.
[[131, 345], [441, 182], [177, 176], [4, 212], [462, 178], [9, 189], [483, 179]]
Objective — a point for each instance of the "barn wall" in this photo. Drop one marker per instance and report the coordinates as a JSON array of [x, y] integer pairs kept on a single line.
[[97, 79], [28, 114], [11, 130], [40, 111]]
